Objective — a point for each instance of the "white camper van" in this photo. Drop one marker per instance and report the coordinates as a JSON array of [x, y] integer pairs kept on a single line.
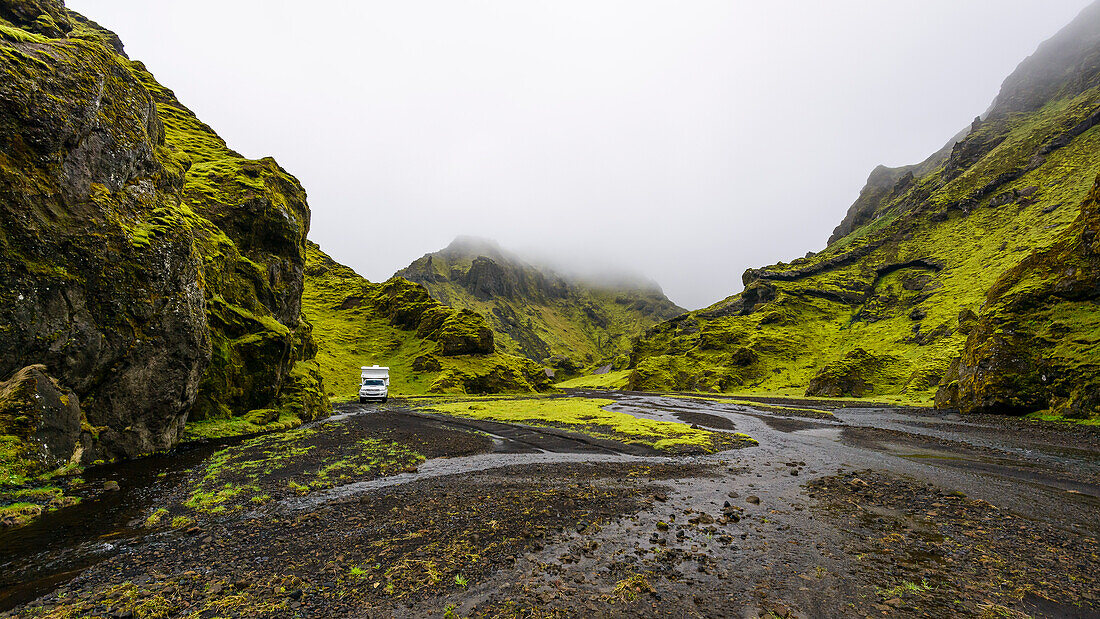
[[375, 383]]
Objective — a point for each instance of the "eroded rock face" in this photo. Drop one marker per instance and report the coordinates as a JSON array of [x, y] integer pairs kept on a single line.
[[128, 232], [34, 408], [100, 278]]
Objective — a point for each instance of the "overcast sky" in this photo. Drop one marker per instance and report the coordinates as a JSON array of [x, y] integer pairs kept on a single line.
[[685, 140]]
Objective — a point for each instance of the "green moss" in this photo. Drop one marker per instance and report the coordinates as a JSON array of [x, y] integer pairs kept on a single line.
[[298, 461], [154, 519], [237, 426], [589, 416], [610, 380], [21, 505]]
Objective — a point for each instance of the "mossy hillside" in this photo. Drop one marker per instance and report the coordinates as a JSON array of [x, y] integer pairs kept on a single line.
[[1036, 344], [155, 236], [251, 229], [569, 325], [588, 416], [905, 287], [428, 346]]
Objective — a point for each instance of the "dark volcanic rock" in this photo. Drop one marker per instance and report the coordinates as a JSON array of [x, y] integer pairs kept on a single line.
[[133, 243], [45, 416]]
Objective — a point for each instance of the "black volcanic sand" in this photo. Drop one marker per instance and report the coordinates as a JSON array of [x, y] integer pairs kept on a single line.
[[880, 512]]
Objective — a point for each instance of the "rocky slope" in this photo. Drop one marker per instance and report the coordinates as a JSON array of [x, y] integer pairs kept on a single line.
[[968, 274], [150, 275], [536, 313], [430, 347]]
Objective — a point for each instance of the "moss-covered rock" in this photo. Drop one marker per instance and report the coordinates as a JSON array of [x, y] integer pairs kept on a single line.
[[465, 333], [39, 424], [134, 245], [1036, 344], [853, 375]]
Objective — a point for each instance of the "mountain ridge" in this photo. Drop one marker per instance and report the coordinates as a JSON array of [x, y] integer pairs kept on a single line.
[[537, 313], [431, 348], [890, 305]]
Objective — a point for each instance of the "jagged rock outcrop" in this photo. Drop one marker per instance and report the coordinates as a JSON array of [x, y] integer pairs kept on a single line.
[[537, 313], [145, 265]]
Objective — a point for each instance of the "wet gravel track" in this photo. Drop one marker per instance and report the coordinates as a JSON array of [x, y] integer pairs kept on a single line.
[[734, 534]]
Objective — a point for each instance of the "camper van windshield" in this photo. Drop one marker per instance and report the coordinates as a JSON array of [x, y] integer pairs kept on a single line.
[[373, 381]]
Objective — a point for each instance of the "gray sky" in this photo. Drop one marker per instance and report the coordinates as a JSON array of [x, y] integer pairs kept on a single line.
[[685, 140]]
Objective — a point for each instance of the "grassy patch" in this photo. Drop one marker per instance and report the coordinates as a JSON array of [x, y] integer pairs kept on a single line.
[[19, 506], [237, 426], [588, 416], [610, 380]]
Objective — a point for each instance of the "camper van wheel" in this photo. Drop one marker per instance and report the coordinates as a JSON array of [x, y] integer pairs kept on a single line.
[[384, 400], [362, 400]]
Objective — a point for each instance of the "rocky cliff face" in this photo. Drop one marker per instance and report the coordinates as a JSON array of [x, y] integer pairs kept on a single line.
[[537, 313], [145, 266], [1034, 346], [920, 273], [430, 347]]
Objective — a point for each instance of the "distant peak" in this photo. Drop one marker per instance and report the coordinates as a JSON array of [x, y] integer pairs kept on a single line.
[[473, 246]]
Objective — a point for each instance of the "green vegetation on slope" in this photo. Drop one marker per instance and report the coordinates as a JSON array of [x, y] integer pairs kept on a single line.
[[887, 307], [150, 272], [588, 416], [1035, 345], [566, 324], [429, 347]]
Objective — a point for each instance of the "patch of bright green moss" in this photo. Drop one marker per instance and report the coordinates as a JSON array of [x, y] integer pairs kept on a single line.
[[588, 416], [610, 381]]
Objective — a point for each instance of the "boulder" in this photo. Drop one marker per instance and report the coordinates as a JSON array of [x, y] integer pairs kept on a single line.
[[42, 417]]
